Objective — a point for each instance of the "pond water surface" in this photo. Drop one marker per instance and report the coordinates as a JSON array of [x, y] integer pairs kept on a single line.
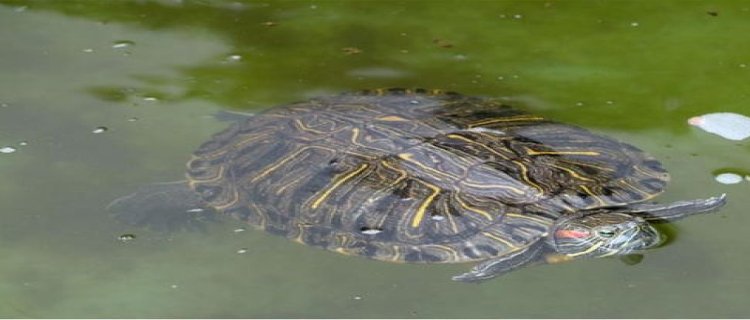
[[100, 97]]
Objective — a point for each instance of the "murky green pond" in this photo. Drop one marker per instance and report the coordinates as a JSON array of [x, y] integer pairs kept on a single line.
[[155, 74]]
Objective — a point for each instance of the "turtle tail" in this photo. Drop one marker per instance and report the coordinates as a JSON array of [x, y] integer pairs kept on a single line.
[[169, 206]]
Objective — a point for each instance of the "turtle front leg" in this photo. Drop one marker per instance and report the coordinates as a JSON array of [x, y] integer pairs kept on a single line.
[[658, 213], [491, 268]]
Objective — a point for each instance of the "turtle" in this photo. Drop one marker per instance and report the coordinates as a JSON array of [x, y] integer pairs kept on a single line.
[[426, 176]]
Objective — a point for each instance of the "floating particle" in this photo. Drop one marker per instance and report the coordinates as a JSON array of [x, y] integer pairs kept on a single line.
[[88, 50], [728, 178], [195, 210], [23, 143], [99, 130], [123, 44], [442, 43], [713, 13], [7, 149], [351, 50], [133, 119], [242, 250], [270, 24], [634, 24], [732, 126], [238, 230], [234, 57], [126, 237]]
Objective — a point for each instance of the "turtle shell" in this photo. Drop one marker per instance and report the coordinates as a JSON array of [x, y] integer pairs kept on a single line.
[[415, 175]]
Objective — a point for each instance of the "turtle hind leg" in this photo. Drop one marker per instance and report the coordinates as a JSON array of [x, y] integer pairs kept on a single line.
[[163, 207]]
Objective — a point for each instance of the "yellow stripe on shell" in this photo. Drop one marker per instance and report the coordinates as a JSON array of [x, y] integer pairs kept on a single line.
[[506, 119], [572, 173], [338, 183], [283, 161], [525, 176], [556, 153], [470, 208], [304, 127], [493, 186], [408, 157], [501, 240], [391, 118], [419, 215], [589, 192]]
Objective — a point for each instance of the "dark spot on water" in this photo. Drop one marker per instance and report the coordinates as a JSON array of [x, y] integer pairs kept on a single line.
[[713, 13]]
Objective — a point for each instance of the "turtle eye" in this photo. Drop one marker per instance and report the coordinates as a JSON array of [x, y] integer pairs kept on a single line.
[[607, 232]]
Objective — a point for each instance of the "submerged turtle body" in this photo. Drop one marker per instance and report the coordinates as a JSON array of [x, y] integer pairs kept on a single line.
[[427, 176]]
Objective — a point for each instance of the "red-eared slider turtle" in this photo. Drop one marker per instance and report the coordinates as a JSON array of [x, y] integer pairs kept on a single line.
[[427, 177]]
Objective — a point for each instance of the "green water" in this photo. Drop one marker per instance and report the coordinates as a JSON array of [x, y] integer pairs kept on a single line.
[[156, 72]]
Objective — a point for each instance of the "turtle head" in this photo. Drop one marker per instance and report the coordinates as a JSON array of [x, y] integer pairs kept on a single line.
[[603, 234]]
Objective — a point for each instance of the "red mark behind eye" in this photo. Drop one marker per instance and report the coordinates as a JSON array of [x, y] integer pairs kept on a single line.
[[576, 234]]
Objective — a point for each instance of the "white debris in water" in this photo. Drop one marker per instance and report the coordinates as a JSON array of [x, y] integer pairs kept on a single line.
[[99, 130], [7, 149], [437, 218], [242, 250], [234, 57], [194, 210], [634, 24], [732, 126], [122, 44], [728, 178]]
